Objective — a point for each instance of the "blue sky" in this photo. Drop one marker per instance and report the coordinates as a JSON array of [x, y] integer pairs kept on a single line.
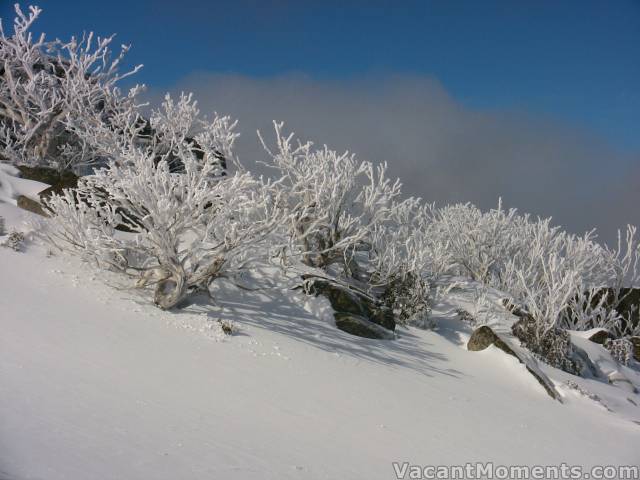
[[576, 61]]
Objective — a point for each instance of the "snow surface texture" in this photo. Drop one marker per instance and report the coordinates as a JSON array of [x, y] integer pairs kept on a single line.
[[96, 383]]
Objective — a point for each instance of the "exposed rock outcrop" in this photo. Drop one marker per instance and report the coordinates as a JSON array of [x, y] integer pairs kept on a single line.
[[352, 308], [361, 327]]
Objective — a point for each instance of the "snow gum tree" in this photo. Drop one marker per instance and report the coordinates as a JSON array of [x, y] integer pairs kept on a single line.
[[45, 84], [336, 201], [184, 229]]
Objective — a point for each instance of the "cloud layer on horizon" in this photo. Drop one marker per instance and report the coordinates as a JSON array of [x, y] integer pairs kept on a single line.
[[442, 151]]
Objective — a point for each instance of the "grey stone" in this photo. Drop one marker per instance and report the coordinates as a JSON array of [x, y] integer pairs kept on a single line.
[[30, 205], [347, 300], [361, 327], [601, 336]]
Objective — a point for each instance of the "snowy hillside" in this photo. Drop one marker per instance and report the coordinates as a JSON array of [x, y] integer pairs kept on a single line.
[[99, 384]]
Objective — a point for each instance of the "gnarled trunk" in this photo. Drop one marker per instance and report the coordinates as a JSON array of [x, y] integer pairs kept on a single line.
[[175, 284], [172, 289]]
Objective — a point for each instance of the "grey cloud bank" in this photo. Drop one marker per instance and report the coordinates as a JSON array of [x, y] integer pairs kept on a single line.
[[441, 150]]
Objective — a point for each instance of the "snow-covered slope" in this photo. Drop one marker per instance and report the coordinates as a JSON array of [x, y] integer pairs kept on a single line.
[[95, 383]]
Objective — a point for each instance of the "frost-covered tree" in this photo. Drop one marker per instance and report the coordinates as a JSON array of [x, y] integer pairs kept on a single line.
[[405, 262], [478, 243], [336, 201], [46, 84], [187, 228]]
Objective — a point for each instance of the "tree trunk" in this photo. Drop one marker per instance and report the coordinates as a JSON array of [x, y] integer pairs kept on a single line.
[[171, 290]]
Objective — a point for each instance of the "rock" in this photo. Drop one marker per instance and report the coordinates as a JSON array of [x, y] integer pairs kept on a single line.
[[484, 336], [635, 341], [384, 317], [30, 205], [56, 180], [346, 300], [601, 336], [361, 327]]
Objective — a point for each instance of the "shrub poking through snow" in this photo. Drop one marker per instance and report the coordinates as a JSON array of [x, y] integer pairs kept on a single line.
[[405, 263], [408, 297], [466, 317], [553, 347], [227, 326], [621, 350], [14, 241], [2, 227]]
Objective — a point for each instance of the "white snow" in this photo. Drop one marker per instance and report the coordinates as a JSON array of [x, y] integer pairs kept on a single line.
[[96, 383], [12, 186]]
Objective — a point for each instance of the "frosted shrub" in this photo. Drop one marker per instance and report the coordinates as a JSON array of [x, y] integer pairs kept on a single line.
[[600, 301], [553, 346], [2, 227], [406, 262], [347, 213], [409, 299], [186, 228], [336, 201], [46, 84], [621, 350], [14, 241], [562, 280], [591, 308], [477, 243], [514, 253]]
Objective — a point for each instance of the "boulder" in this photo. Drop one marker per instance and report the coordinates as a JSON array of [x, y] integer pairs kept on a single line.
[[350, 301], [484, 336], [56, 180], [601, 336], [361, 327], [31, 205]]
